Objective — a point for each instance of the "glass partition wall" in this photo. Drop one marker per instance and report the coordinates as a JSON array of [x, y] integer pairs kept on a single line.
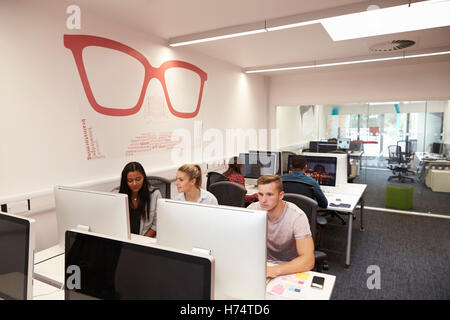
[[404, 144], [397, 139]]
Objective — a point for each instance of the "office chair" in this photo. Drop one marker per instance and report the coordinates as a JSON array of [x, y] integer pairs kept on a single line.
[[228, 193], [162, 184], [214, 177], [407, 152], [305, 189], [398, 164], [309, 207], [157, 182], [298, 187]]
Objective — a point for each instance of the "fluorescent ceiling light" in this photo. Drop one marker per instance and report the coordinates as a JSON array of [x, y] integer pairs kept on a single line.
[[293, 25], [342, 23], [404, 18], [176, 44], [426, 54], [338, 63], [223, 33]]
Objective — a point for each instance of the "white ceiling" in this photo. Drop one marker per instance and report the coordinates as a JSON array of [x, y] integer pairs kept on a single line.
[[171, 18]]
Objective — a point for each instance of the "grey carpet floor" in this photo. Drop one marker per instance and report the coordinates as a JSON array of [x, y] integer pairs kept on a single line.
[[424, 200], [412, 253]]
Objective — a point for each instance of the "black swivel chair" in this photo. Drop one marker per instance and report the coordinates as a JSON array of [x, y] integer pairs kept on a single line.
[[298, 187], [305, 189], [213, 177], [398, 164], [407, 152], [162, 184], [228, 193], [309, 206]]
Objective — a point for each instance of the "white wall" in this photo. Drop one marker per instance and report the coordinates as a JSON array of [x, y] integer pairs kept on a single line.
[[43, 101]]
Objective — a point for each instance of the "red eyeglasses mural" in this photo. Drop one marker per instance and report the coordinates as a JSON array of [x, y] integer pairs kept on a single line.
[[76, 43]]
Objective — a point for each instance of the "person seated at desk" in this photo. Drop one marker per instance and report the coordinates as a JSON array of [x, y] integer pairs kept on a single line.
[[189, 182], [234, 174], [142, 198], [298, 169], [289, 237]]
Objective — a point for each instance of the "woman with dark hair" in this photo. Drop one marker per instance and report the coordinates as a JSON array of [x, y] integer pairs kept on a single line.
[[234, 174], [142, 198]]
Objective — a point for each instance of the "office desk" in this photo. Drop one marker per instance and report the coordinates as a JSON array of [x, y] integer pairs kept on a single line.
[[352, 194], [283, 287], [426, 161], [51, 272]]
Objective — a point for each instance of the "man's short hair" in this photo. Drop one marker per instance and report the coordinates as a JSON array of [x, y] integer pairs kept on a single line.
[[269, 178], [298, 162]]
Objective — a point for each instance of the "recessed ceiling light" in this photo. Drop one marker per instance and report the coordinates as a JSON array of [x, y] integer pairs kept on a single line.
[[392, 45]]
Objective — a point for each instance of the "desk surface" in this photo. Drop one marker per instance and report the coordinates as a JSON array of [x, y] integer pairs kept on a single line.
[[349, 193], [344, 193], [298, 287], [429, 156]]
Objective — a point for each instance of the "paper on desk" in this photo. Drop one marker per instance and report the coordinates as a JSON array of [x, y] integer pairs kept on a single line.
[[289, 286]]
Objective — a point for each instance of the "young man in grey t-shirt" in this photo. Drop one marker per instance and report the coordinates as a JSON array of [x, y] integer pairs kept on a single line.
[[289, 238]]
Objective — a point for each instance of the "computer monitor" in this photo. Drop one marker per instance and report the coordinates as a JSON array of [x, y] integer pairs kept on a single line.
[[255, 165], [235, 237], [265, 157], [314, 146], [16, 257], [325, 147], [355, 146], [339, 164], [111, 269], [344, 143], [322, 169], [100, 212], [437, 147]]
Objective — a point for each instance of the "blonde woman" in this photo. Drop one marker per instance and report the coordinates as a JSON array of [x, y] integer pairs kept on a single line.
[[189, 182]]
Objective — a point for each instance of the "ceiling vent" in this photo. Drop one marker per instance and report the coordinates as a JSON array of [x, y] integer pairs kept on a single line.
[[392, 45]]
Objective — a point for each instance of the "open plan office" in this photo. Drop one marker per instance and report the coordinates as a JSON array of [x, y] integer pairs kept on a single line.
[[358, 90]]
